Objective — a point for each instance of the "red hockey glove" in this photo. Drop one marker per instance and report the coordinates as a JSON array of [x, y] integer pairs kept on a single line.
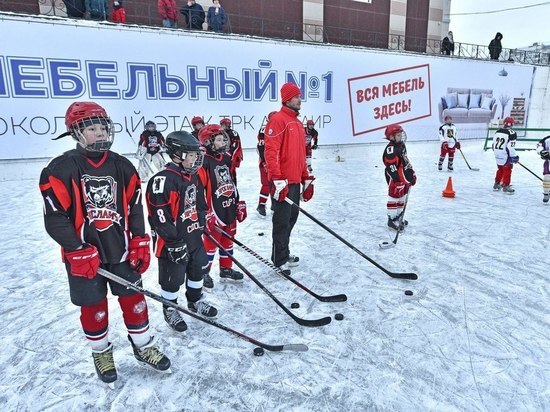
[[457, 145], [210, 222], [279, 190], [241, 211], [308, 188], [139, 253], [84, 262]]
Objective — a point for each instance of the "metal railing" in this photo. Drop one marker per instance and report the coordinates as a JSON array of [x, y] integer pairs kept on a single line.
[[147, 14]]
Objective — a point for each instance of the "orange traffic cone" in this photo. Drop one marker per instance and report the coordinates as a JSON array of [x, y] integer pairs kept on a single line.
[[449, 192]]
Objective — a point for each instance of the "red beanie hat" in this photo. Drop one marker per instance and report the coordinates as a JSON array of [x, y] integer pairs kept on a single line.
[[288, 91]]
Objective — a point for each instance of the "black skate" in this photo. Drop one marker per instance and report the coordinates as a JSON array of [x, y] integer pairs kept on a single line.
[[440, 166], [261, 210], [150, 355], [508, 189], [293, 261], [395, 224], [450, 168], [284, 268], [105, 364], [202, 308], [174, 319], [546, 197], [207, 282], [230, 274], [497, 186]]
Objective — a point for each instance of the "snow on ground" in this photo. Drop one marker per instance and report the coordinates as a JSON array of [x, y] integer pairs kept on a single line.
[[473, 337]]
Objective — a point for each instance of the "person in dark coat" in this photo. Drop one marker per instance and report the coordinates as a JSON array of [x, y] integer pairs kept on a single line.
[[448, 44], [75, 8], [495, 47], [216, 17], [194, 14]]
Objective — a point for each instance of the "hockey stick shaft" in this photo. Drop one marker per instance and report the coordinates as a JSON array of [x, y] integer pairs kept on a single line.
[[304, 322], [397, 275], [274, 348], [530, 171], [464, 157], [331, 298]]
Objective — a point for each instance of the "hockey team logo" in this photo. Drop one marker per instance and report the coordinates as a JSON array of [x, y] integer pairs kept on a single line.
[[225, 183], [99, 198], [190, 204]]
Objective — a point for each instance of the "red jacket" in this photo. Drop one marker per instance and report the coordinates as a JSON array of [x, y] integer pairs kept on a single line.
[[118, 15], [285, 147], [168, 10]]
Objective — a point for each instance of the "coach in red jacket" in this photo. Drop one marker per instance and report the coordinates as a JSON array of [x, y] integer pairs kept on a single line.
[[285, 157]]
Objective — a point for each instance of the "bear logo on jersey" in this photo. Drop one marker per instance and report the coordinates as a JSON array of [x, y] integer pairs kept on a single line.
[[99, 198], [190, 204], [225, 183]]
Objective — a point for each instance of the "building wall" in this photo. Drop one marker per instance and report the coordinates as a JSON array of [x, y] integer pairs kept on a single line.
[[416, 27]]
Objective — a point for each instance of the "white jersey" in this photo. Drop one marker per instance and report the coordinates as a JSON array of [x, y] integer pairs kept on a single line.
[[447, 133], [504, 145], [544, 144]]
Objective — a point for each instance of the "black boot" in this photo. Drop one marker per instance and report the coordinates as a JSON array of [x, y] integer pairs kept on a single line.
[[173, 318], [150, 355], [105, 364]]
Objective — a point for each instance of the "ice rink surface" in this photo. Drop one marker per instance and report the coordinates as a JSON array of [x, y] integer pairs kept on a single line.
[[473, 337]]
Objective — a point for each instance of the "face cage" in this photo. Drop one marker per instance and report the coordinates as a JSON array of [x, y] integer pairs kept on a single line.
[[403, 136], [101, 146], [193, 169]]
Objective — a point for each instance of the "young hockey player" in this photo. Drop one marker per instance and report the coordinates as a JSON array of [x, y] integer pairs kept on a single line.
[[149, 151], [235, 147], [399, 173], [198, 123], [543, 149], [176, 206], [264, 190], [93, 209], [311, 142], [504, 142], [449, 143], [222, 198]]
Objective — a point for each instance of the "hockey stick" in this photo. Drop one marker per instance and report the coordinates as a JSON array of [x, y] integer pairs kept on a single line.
[[388, 245], [397, 275], [304, 322], [332, 298], [475, 169], [296, 347], [530, 171]]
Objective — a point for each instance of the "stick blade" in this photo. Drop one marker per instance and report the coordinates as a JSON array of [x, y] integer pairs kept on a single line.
[[386, 245], [296, 347], [474, 169]]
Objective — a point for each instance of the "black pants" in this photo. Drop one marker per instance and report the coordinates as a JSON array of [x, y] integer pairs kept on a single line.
[[284, 218]]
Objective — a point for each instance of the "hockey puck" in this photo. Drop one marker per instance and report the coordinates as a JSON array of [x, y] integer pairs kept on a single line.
[[258, 351], [339, 316], [295, 305], [408, 292], [260, 233]]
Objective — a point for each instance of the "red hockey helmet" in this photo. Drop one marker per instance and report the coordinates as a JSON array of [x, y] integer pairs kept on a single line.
[[310, 123], [394, 129], [225, 122], [509, 121], [207, 135], [80, 115], [196, 120]]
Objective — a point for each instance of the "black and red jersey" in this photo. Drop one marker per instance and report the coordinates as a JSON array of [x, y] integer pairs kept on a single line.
[[260, 147], [153, 141], [311, 136], [396, 161], [175, 201], [93, 197], [221, 193], [235, 148]]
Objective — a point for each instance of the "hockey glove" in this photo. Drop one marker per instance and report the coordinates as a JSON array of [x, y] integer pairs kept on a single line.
[[139, 255], [308, 188], [410, 175], [280, 190], [177, 252], [314, 147], [241, 211], [545, 155], [210, 222], [84, 262], [141, 152], [514, 159], [457, 145]]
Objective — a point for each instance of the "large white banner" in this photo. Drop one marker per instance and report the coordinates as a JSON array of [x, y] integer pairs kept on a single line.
[[169, 76]]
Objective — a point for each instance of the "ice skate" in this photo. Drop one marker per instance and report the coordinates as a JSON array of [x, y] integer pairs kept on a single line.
[[497, 186], [229, 274], [284, 268], [149, 355], [546, 197], [105, 365], [293, 261], [207, 283], [395, 224], [174, 319], [261, 210], [508, 189], [202, 308]]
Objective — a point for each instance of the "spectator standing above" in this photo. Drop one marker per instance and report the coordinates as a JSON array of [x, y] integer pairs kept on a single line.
[[168, 11], [216, 17], [119, 14], [448, 44], [194, 14], [495, 47], [97, 9]]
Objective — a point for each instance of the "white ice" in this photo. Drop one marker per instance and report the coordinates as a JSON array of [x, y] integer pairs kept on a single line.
[[473, 337]]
